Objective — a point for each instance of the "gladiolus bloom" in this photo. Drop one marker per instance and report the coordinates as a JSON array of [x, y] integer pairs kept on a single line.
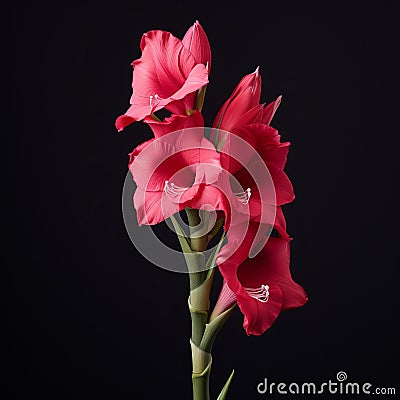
[[167, 75], [262, 286], [175, 171], [253, 282]]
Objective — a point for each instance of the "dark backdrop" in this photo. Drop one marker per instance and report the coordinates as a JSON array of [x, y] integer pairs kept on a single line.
[[86, 316]]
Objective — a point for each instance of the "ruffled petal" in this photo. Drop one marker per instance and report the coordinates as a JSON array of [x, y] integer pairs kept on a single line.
[[174, 158], [158, 71], [175, 123], [266, 141], [154, 207]]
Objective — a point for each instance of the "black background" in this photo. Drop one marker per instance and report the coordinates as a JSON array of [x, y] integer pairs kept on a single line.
[[86, 316]]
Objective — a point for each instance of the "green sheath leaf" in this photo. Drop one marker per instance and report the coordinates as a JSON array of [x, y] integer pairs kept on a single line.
[[224, 390]]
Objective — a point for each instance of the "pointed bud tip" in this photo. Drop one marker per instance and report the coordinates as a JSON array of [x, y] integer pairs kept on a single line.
[[256, 72], [195, 25]]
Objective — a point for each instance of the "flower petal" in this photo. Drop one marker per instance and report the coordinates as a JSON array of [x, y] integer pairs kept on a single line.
[[123, 121], [211, 198], [258, 317], [266, 141], [265, 150], [245, 96], [196, 41], [283, 187], [154, 207], [174, 123], [280, 223], [270, 110], [153, 163], [236, 250], [198, 77], [172, 157], [294, 295], [226, 299], [270, 265]]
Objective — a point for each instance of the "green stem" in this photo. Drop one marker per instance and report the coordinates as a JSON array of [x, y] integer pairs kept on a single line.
[[200, 286], [201, 387], [199, 305], [154, 116], [201, 361], [201, 274], [198, 244], [201, 94]]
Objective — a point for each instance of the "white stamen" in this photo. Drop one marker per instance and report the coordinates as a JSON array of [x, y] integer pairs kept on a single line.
[[261, 294], [170, 189], [154, 100], [244, 197]]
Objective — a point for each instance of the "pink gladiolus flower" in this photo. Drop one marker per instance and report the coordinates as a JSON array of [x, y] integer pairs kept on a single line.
[[264, 142], [167, 75], [262, 286], [233, 257], [173, 172]]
